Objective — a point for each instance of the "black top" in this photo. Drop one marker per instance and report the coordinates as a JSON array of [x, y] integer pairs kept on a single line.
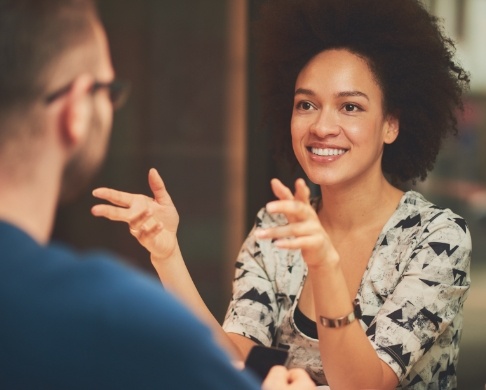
[[305, 324]]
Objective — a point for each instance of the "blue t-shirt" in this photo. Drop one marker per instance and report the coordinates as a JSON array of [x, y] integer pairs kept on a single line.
[[71, 321]]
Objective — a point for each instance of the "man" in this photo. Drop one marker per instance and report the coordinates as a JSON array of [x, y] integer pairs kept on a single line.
[[69, 320]]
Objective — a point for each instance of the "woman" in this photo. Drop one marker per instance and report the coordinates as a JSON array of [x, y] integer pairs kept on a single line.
[[366, 284]]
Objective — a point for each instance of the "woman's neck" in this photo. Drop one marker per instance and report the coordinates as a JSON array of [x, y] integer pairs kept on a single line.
[[348, 207]]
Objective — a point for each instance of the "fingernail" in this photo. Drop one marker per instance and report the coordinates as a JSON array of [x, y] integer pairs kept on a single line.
[[270, 207]]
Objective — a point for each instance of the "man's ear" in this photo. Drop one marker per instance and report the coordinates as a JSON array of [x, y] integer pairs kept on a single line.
[[77, 110], [392, 128]]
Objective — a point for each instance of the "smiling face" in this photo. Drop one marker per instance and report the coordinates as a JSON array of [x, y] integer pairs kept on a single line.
[[338, 126]]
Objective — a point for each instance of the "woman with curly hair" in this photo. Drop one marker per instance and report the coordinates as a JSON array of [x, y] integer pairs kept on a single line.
[[364, 285]]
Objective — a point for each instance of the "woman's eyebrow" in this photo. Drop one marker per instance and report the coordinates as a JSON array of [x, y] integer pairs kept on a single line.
[[304, 91], [352, 93], [310, 92]]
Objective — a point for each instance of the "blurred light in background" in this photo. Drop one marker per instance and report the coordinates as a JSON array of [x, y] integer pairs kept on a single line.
[[459, 178]]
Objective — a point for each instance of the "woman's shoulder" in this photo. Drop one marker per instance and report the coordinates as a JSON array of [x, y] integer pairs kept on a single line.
[[416, 210], [414, 202]]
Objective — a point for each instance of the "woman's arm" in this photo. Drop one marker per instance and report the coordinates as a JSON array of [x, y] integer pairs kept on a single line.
[[348, 358], [154, 223]]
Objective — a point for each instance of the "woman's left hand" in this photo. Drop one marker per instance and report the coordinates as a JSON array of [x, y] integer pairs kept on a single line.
[[152, 221], [304, 230]]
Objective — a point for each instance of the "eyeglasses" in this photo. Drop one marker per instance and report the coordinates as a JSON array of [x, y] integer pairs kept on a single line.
[[118, 92]]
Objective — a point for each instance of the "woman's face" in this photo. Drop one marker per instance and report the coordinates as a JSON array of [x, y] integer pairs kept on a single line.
[[338, 125]]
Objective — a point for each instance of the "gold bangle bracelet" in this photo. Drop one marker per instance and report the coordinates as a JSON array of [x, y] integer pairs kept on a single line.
[[342, 321]]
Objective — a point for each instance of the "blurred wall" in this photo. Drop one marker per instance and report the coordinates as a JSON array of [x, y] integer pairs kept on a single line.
[[185, 117]]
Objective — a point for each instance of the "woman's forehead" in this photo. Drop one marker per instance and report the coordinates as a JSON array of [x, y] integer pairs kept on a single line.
[[336, 71]]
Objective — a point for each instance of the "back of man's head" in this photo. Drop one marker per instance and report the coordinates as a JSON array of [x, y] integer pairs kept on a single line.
[[34, 34]]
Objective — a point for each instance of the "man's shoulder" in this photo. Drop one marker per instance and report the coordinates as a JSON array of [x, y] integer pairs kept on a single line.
[[95, 285], [110, 291], [100, 323]]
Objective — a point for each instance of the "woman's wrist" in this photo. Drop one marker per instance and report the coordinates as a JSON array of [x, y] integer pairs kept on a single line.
[[329, 262], [170, 257]]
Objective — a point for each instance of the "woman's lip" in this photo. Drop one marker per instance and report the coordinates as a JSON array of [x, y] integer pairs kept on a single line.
[[326, 157], [318, 145], [326, 150]]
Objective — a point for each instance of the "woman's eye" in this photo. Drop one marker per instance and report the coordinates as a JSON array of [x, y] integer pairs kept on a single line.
[[351, 107], [306, 106]]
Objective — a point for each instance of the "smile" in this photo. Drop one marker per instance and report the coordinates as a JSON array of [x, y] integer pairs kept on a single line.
[[327, 151]]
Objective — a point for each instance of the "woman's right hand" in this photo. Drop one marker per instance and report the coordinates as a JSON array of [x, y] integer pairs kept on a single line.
[[152, 221], [304, 230]]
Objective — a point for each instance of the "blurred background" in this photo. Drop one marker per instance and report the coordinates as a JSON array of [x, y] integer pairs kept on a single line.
[[193, 115]]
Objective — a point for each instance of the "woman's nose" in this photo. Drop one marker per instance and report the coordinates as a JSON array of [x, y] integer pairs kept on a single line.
[[326, 123]]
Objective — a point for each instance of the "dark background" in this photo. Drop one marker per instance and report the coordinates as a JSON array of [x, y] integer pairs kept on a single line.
[[175, 56]]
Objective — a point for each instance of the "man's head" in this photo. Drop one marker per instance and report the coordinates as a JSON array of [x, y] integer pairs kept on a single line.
[[55, 75]]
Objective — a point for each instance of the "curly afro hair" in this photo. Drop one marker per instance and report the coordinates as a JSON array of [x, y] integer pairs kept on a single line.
[[406, 50]]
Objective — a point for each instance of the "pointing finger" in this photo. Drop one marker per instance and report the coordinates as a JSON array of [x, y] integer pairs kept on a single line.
[[280, 190], [119, 198], [302, 191]]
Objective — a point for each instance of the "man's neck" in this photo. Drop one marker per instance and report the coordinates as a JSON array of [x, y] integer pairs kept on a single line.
[[30, 204]]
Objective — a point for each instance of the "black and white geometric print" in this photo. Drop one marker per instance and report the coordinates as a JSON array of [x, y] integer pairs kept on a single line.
[[412, 295]]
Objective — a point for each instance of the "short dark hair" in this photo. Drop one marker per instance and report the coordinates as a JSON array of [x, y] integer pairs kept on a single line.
[[33, 35], [407, 52]]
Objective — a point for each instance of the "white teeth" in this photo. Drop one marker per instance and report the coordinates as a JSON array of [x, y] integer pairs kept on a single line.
[[328, 152]]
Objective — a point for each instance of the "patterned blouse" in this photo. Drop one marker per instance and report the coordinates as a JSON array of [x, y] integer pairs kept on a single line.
[[412, 295]]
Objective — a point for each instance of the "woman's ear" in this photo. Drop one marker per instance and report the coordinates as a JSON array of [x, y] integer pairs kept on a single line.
[[392, 128], [77, 111]]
